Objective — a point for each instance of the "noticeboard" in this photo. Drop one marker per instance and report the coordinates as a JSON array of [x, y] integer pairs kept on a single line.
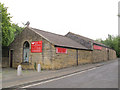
[[36, 46], [97, 47], [61, 50]]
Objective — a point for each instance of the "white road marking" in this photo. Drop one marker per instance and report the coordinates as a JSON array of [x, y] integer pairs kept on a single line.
[[58, 78]]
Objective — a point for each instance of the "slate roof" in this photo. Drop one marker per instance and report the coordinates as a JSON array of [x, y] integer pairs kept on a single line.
[[59, 40], [87, 39]]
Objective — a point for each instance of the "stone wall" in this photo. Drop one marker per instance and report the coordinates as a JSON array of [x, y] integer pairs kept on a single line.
[[112, 54], [5, 61], [84, 56], [43, 58], [62, 60], [103, 55], [5, 57]]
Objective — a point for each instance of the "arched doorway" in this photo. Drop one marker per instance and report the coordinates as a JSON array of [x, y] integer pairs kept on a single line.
[[26, 51]]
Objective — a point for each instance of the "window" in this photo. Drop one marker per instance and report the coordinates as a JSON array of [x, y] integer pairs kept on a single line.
[[26, 51]]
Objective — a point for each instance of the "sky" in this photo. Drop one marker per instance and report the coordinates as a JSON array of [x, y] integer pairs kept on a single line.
[[90, 18]]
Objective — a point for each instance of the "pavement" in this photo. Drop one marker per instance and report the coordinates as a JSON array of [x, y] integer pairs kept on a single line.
[[11, 80]]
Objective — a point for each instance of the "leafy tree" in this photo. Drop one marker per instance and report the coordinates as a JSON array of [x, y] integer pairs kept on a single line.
[[118, 46], [6, 30], [9, 30], [113, 42], [18, 29]]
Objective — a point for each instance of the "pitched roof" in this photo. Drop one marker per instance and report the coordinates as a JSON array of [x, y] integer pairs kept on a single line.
[[59, 40], [87, 39]]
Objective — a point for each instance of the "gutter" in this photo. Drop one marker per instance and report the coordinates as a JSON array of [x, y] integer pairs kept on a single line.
[[73, 48]]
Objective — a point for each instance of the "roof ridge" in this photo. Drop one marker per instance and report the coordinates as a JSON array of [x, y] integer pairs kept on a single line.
[[48, 32], [57, 39], [80, 36], [59, 35], [93, 41]]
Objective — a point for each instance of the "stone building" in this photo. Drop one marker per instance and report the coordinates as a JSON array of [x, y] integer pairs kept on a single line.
[[5, 56], [100, 52], [54, 51]]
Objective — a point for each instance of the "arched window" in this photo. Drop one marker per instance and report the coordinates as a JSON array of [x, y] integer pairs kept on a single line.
[[26, 51]]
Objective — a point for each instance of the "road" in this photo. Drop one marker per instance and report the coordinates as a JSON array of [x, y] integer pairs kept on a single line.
[[105, 76]]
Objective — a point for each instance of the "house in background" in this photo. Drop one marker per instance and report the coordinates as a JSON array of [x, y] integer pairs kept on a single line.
[[53, 51]]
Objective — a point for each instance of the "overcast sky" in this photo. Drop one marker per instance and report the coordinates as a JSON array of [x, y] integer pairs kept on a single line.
[[90, 18]]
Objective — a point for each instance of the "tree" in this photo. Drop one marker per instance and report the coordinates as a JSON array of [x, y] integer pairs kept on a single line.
[[113, 42], [18, 29], [6, 26], [9, 30]]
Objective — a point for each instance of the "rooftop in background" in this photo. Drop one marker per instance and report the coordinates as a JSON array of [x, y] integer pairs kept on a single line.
[[87, 39]]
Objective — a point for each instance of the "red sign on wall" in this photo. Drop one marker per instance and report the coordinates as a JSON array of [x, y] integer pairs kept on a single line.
[[97, 47], [36, 46], [61, 50]]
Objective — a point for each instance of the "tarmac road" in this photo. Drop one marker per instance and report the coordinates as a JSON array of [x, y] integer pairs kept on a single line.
[[105, 76]]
